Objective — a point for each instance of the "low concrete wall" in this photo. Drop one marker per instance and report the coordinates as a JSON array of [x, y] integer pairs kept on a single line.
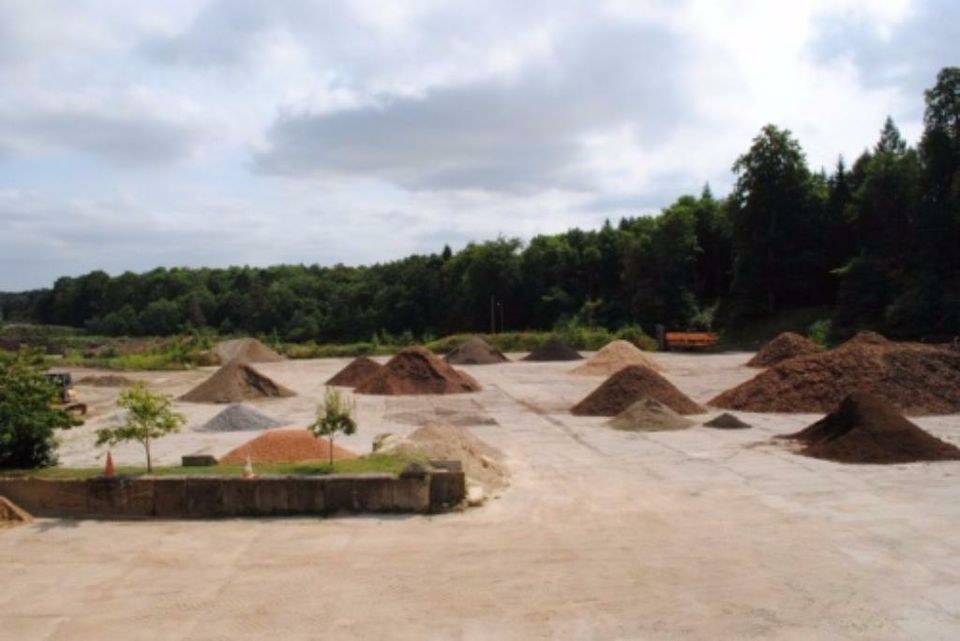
[[212, 497]]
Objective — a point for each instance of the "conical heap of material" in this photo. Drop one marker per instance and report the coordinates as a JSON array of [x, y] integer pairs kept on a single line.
[[239, 418], [246, 349], [916, 379], [553, 350], [285, 446], [236, 381], [786, 345], [727, 421], [866, 429], [359, 370], [649, 415], [614, 357], [11, 514], [482, 462], [629, 385], [475, 351], [416, 370]]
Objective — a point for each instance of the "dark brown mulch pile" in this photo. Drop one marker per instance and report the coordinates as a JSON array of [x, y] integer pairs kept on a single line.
[[727, 421], [786, 345], [416, 370], [359, 370], [554, 350], [629, 385], [235, 381], [475, 351]]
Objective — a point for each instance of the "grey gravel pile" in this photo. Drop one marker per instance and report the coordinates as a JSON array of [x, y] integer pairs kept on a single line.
[[239, 418]]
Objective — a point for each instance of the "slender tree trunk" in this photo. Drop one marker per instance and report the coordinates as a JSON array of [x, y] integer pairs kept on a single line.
[[331, 450], [146, 444]]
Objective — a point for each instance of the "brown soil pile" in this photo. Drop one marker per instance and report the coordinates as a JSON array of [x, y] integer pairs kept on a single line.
[[359, 370], [649, 415], [866, 429], [416, 370], [727, 421], [458, 418], [249, 350], [786, 345], [482, 462], [475, 351], [285, 446], [916, 379], [11, 514], [554, 350], [614, 357], [629, 385], [107, 380], [236, 381]]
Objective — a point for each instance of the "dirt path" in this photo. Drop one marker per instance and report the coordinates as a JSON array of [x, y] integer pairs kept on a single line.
[[697, 534]]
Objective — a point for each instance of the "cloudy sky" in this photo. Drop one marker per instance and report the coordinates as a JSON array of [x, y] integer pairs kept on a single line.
[[220, 132]]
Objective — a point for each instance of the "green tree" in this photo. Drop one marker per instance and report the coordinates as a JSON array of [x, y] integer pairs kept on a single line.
[[149, 417], [28, 415], [334, 415]]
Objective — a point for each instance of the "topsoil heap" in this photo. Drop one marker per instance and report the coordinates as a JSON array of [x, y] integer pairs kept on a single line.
[[236, 381], [613, 357], [628, 386], [359, 370], [554, 350], [866, 429], [416, 370], [475, 351], [786, 345], [916, 379], [249, 350]]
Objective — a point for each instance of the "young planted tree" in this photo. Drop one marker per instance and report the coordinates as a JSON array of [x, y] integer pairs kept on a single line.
[[149, 417], [334, 414]]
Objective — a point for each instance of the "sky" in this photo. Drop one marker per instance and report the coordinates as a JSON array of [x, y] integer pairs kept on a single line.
[[242, 132]]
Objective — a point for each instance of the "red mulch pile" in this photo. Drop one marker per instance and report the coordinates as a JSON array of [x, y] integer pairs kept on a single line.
[[629, 385], [285, 446], [359, 370], [916, 379], [866, 429], [416, 370], [786, 345], [475, 351], [235, 381]]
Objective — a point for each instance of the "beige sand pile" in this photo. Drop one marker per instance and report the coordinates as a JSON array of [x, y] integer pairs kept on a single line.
[[285, 446], [482, 463], [11, 514], [249, 350], [236, 381], [614, 357], [649, 415]]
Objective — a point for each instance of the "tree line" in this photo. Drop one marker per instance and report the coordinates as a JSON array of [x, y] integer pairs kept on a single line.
[[878, 242]]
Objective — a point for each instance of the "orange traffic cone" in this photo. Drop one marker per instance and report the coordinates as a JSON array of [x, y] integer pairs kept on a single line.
[[108, 470]]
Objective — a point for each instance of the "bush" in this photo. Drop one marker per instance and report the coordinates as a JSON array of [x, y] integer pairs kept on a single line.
[[821, 332], [28, 417]]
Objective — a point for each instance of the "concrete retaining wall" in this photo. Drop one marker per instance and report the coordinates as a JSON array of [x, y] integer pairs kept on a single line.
[[212, 497]]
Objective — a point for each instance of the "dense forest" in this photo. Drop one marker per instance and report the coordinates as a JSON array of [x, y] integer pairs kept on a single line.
[[876, 242]]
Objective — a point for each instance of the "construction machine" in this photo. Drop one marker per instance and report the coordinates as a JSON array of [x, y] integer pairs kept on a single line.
[[66, 395]]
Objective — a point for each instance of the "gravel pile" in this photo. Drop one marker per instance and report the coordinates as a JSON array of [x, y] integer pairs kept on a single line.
[[239, 418]]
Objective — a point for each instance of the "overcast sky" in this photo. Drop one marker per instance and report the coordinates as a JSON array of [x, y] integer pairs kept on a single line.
[[184, 132]]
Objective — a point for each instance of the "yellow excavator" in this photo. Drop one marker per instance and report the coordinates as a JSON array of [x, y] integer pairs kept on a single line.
[[67, 396]]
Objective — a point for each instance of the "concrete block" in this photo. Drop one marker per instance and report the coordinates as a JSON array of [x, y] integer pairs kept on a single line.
[[170, 498], [204, 497], [139, 497], [375, 493], [339, 494], [447, 489], [47, 498], [305, 495], [271, 496], [412, 494], [239, 496], [198, 460], [106, 496]]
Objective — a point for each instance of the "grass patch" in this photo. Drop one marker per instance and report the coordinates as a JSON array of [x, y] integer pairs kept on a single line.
[[379, 463]]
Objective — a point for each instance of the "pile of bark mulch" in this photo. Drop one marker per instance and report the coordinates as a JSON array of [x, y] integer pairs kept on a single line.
[[416, 370], [727, 421], [106, 380], [867, 429], [628, 386], [916, 379], [786, 345], [285, 446], [249, 350], [475, 351], [359, 370], [553, 350], [649, 415], [236, 381]]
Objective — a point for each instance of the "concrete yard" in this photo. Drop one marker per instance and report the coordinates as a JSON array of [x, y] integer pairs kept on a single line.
[[694, 534]]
